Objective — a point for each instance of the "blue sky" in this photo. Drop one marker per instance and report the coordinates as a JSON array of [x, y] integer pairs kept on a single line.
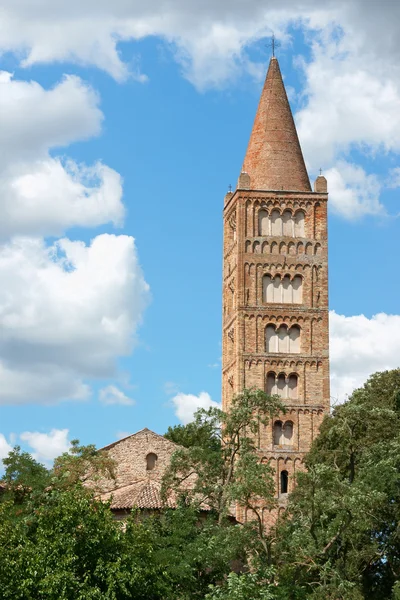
[[104, 142]]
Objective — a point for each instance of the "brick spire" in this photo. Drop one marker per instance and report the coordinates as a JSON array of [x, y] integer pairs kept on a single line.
[[274, 160]]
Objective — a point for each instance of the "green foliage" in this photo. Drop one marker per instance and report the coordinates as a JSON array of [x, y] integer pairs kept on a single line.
[[340, 536], [245, 586], [338, 540], [220, 475], [23, 478], [197, 433], [82, 464]]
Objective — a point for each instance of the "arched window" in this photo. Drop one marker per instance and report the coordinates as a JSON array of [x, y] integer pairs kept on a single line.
[[299, 224], [279, 290], [281, 385], [268, 289], [297, 285], [277, 433], [294, 339], [284, 482], [271, 388], [151, 461], [282, 340], [292, 387], [287, 224], [271, 339], [263, 223], [276, 223], [287, 290], [288, 433]]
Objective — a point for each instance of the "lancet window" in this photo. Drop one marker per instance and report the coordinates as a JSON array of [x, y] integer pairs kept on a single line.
[[282, 290], [284, 482], [282, 339]]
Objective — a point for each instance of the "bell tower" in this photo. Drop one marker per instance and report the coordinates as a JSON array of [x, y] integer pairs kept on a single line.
[[275, 284]]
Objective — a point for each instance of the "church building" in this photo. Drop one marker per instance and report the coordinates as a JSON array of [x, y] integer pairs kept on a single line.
[[275, 284], [275, 309]]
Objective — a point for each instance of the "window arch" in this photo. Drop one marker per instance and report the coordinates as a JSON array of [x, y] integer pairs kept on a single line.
[[263, 222], [293, 386], [277, 433], [287, 224], [282, 290], [283, 433], [288, 433], [299, 218], [282, 339], [284, 482], [276, 223], [151, 461], [281, 385]]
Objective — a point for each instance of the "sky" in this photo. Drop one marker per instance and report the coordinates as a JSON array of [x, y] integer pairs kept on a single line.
[[122, 124]]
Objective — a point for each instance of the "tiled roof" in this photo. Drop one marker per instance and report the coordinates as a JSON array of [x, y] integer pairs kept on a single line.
[[141, 494]]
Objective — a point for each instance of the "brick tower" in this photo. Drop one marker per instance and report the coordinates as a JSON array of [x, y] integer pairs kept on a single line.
[[275, 284]]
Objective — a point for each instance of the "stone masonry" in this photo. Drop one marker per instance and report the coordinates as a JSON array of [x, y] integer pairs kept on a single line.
[[275, 285]]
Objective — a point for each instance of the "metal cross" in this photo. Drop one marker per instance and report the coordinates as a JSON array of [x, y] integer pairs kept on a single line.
[[230, 187], [320, 172], [273, 44]]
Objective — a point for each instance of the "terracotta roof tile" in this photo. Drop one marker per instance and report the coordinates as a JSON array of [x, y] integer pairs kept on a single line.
[[141, 494]]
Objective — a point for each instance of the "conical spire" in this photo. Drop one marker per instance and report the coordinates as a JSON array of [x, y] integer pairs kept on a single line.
[[274, 160]]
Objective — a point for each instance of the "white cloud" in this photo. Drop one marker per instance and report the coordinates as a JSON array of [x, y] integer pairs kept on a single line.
[[41, 194], [210, 39], [113, 395], [47, 446], [354, 193], [351, 95], [34, 119], [359, 347], [185, 405], [349, 104], [47, 197], [66, 313], [5, 447]]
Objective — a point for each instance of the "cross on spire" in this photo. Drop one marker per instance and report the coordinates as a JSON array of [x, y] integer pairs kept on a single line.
[[273, 44]]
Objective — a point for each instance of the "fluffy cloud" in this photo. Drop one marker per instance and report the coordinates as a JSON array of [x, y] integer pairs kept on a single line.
[[66, 313], [34, 119], [5, 447], [185, 405], [359, 347], [40, 194], [354, 193], [113, 395], [351, 94], [47, 446], [210, 38]]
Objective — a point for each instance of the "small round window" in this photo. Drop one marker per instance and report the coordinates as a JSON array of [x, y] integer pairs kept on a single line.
[[151, 461]]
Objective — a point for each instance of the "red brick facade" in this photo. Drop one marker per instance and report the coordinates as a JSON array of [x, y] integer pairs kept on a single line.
[[275, 284]]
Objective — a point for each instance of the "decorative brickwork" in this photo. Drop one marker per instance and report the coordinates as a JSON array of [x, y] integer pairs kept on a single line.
[[275, 285]]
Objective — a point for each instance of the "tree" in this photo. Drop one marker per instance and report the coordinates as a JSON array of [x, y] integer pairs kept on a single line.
[[220, 476], [200, 433], [340, 537], [23, 478]]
